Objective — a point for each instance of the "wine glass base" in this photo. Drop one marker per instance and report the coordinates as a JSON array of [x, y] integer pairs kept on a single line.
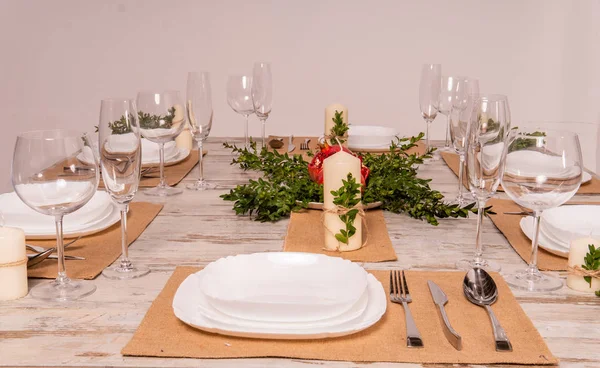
[[468, 264], [533, 281], [163, 191], [62, 291], [122, 273], [201, 185]]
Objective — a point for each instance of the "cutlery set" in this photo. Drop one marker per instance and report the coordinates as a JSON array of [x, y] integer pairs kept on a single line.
[[44, 253], [277, 143], [478, 287]]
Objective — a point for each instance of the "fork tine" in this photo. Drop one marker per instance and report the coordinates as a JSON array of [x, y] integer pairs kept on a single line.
[[391, 282], [406, 293], [400, 290]]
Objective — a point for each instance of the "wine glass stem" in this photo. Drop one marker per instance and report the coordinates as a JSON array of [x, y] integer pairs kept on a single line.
[[200, 162], [125, 262], [161, 151], [448, 122], [246, 133], [532, 268], [264, 125], [478, 243], [427, 144], [461, 173], [60, 249]]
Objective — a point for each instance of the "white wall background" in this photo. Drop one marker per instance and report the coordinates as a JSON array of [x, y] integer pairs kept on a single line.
[[61, 57]]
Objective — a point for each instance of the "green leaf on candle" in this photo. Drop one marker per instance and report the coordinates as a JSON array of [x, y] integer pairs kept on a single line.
[[339, 129], [347, 196], [591, 262]]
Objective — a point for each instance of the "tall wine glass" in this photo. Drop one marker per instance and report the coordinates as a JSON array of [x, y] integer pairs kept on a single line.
[[239, 98], [449, 93], [542, 170], [429, 96], [467, 89], [55, 172], [262, 93], [121, 161], [161, 118], [200, 116], [488, 126]]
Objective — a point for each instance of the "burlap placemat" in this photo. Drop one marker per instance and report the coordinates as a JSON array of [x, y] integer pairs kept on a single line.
[[453, 162], [161, 334], [100, 249], [306, 233], [314, 141]]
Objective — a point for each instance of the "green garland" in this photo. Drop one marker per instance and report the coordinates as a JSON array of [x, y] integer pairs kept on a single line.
[[286, 185]]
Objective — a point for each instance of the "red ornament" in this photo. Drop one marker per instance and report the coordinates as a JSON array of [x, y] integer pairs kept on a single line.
[[315, 167]]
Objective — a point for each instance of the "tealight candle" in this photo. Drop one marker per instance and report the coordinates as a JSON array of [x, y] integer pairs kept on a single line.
[[13, 264], [579, 248], [335, 168], [330, 114]]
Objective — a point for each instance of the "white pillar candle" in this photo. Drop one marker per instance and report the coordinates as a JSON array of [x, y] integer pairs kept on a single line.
[[335, 168], [578, 250], [330, 114], [13, 264], [184, 139]]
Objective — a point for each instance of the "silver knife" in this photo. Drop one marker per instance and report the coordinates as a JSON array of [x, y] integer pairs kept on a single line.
[[440, 299], [291, 145]]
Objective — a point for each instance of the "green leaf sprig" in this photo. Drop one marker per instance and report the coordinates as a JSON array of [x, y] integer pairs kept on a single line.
[[339, 129], [148, 121], [347, 196], [121, 126], [287, 187], [591, 263]]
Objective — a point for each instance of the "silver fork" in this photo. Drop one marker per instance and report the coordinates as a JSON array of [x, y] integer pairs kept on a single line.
[[399, 294], [304, 145]]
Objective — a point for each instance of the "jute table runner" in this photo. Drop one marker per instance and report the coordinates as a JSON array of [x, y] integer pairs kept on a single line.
[[161, 334], [453, 162], [306, 233], [100, 249]]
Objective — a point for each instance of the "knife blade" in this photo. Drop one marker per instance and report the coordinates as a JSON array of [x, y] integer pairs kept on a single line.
[[440, 299]]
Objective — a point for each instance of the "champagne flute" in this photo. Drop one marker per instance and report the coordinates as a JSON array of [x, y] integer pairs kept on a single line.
[[467, 90], [262, 93], [239, 98], [200, 116], [42, 183], [121, 162], [429, 96], [449, 93], [542, 170], [486, 137], [161, 118]]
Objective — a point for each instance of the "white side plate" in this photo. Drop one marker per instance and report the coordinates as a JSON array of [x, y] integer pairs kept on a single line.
[[543, 241]]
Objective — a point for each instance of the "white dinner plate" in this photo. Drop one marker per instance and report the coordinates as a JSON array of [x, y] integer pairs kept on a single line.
[[533, 163], [543, 241], [370, 137], [283, 286], [150, 153], [182, 154], [189, 297], [96, 215], [570, 222], [586, 177]]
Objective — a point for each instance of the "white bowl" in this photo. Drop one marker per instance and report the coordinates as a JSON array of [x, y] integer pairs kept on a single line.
[[367, 136], [283, 286]]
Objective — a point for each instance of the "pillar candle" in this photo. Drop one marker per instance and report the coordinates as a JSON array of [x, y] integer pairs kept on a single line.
[[184, 139], [577, 252], [330, 114], [335, 168], [13, 264]]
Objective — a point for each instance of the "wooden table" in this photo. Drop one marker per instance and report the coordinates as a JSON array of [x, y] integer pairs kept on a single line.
[[196, 228]]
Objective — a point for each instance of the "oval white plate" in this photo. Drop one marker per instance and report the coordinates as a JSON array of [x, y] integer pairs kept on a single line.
[[570, 222], [543, 241], [319, 205], [188, 297], [283, 286]]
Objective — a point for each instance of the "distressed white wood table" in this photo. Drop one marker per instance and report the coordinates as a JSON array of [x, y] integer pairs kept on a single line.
[[196, 228]]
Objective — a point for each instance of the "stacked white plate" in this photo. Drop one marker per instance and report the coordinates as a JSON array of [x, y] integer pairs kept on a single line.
[[561, 225], [532, 163], [96, 215], [150, 153], [280, 296], [370, 137]]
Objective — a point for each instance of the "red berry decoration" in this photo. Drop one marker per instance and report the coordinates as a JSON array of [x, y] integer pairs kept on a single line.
[[315, 167]]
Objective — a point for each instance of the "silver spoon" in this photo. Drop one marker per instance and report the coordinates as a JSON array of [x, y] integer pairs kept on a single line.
[[480, 289]]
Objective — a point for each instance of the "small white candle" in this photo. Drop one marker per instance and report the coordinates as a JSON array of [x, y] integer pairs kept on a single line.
[[579, 248], [330, 114], [13, 264], [335, 168]]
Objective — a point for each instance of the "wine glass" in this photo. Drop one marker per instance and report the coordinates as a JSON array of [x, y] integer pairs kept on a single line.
[[467, 90], [488, 126], [200, 116], [239, 98], [542, 170], [121, 162], [262, 93], [55, 172], [449, 93], [161, 118], [429, 96]]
